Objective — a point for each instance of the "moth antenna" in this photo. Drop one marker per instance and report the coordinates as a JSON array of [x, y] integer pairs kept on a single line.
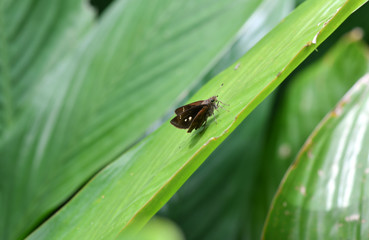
[[221, 85]]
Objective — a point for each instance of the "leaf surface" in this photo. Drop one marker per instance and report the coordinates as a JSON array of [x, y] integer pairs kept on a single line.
[[323, 195], [310, 95], [77, 92], [123, 196]]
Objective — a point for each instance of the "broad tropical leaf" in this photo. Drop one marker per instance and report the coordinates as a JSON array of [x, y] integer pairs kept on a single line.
[[323, 195], [124, 196]]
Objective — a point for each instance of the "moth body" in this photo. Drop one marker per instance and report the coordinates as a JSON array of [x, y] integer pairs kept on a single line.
[[194, 115]]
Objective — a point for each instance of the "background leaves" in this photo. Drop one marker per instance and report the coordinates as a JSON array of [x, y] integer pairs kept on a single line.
[[323, 195], [88, 101], [306, 101], [128, 192], [86, 90]]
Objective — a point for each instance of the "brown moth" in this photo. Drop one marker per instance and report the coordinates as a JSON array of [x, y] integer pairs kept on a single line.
[[194, 115]]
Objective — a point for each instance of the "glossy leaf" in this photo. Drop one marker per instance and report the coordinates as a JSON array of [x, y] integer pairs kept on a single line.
[[124, 196], [311, 94], [34, 37], [30, 47], [323, 195]]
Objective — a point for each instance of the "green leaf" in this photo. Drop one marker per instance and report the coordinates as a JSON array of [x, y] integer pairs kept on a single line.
[[213, 191], [215, 201], [33, 39], [323, 195], [29, 47], [218, 191], [123, 196], [76, 94], [225, 193], [312, 93]]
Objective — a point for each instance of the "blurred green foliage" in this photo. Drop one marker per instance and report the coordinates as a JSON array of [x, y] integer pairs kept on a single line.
[[229, 196], [324, 191]]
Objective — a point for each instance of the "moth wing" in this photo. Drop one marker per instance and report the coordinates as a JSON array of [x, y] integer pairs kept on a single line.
[[185, 119], [184, 108], [199, 119], [179, 123]]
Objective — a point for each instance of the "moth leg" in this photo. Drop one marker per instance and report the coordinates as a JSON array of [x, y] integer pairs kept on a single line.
[[222, 103], [218, 105], [215, 119], [204, 125]]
